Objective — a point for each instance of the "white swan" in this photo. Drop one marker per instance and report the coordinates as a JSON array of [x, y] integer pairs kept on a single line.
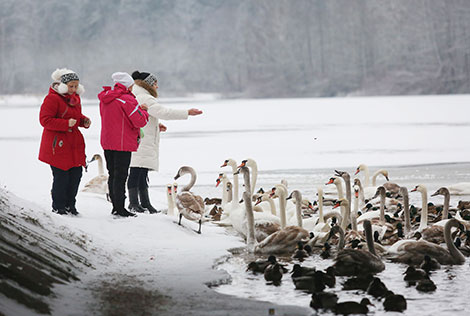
[[190, 206], [424, 209], [224, 180], [170, 200], [251, 163], [369, 191], [98, 184], [322, 225], [232, 163], [309, 223], [462, 188], [339, 188]]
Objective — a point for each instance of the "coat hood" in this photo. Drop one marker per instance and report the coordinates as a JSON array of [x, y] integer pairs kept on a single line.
[[109, 94]]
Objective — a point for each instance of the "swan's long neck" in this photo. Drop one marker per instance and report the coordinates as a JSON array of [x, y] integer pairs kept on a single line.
[[366, 175], [341, 238], [406, 209], [254, 177], [233, 164], [282, 207], [271, 205], [382, 207], [250, 238], [454, 252], [354, 214], [445, 211], [246, 179], [298, 207], [170, 201], [229, 191], [361, 191], [424, 210], [100, 166], [369, 238], [321, 219], [339, 188], [374, 177], [192, 181], [347, 183], [224, 190], [345, 213]]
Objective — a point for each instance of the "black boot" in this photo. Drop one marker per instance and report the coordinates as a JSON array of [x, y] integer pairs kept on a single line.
[[145, 200], [134, 201]]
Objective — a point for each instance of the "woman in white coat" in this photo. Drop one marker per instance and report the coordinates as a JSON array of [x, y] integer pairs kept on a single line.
[[146, 157]]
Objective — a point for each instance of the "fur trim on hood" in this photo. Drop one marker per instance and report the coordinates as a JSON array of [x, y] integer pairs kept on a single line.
[[146, 86]]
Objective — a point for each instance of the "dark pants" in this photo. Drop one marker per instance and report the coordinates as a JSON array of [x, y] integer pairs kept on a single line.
[[138, 178], [117, 163], [65, 187]]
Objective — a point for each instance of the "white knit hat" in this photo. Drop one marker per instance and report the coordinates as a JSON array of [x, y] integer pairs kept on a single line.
[[63, 76], [123, 78]]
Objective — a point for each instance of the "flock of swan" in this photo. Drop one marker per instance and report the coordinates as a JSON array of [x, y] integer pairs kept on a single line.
[[365, 225], [361, 227]]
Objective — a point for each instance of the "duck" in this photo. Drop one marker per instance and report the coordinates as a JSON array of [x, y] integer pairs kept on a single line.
[[358, 261], [299, 271], [300, 253], [426, 285], [98, 184], [413, 252], [360, 282], [189, 205], [310, 283], [260, 265], [323, 300], [377, 288], [350, 307], [394, 302], [273, 273], [412, 275], [429, 264]]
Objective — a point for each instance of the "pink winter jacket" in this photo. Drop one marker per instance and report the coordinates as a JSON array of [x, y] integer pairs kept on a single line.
[[121, 119]]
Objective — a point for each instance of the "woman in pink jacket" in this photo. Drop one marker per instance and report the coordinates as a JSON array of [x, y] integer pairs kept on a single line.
[[121, 120]]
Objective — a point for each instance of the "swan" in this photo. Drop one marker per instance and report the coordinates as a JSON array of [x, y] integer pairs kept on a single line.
[[358, 261], [347, 183], [339, 188], [283, 241], [369, 191], [190, 206], [424, 209], [344, 204], [445, 212], [98, 184], [254, 172], [413, 252], [322, 225], [362, 199], [462, 188], [308, 223], [380, 214], [232, 163], [170, 200], [224, 180], [265, 223], [266, 198]]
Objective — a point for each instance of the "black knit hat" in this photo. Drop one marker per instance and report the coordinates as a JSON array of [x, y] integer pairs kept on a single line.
[[147, 77]]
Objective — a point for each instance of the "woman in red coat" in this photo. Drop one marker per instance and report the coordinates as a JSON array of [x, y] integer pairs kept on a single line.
[[62, 143]]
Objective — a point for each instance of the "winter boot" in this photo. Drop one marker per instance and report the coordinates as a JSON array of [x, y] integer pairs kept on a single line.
[[134, 201], [124, 213], [72, 210], [145, 200]]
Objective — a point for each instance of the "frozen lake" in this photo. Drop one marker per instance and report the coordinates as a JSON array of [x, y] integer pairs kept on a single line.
[[417, 139]]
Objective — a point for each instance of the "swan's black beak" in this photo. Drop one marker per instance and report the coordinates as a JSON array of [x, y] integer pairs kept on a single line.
[[386, 177], [176, 177], [435, 193]]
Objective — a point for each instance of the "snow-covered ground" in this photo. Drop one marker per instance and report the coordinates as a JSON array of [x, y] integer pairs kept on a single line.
[[298, 139]]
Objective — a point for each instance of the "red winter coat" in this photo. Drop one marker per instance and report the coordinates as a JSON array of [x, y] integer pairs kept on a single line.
[[121, 119], [61, 146]]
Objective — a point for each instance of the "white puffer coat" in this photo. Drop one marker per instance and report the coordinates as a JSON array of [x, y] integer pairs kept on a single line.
[[147, 154]]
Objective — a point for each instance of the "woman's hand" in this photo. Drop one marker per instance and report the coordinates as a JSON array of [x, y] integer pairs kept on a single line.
[[72, 122], [86, 122], [194, 112], [144, 106], [161, 127]]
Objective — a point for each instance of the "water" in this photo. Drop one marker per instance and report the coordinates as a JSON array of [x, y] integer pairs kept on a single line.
[[417, 139], [452, 294]]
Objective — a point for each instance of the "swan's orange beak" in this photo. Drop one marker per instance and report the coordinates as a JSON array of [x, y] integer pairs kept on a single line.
[[242, 164], [331, 181], [357, 171], [169, 190], [217, 182], [414, 190], [175, 189], [225, 164], [337, 205], [356, 194], [273, 191], [310, 206]]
